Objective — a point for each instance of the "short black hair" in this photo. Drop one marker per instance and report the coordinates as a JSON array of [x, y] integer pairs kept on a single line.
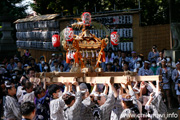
[[53, 88], [154, 46], [27, 108], [68, 98], [116, 60], [38, 90], [61, 54], [55, 61], [30, 69], [19, 61], [33, 59], [140, 62], [72, 60], [28, 85], [96, 98], [154, 61], [125, 62], [123, 52], [110, 48], [129, 104], [62, 65], [24, 81]]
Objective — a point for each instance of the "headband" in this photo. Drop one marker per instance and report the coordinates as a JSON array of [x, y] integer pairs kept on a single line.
[[163, 60], [8, 86], [146, 62], [69, 93], [177, 63]]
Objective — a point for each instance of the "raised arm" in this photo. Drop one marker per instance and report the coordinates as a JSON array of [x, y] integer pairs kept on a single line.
[[44, 83], [124, 87], [106, 89], [109, 104], [70, 87], [78, 100], [150, 99], [114, 90], [131, 92], [95, 87], [121, 90], [88, 102], [66, 89], [136, 85], [128, 83], [152, 86]]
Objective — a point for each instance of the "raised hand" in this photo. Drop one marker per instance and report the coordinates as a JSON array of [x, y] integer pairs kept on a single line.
[[128, 81], [75, 83], [123, 85], [152, 95], [105, 84], [143, 85], [93, 83], [143, 88]]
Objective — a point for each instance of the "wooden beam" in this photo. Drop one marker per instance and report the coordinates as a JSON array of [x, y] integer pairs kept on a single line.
[[59, 74], [123, 79], [71, 74], [62, 79], [149, 78], [98, 80], [104, 79]]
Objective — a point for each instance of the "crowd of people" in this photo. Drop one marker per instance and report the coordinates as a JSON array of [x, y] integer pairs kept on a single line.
[[22, 96]]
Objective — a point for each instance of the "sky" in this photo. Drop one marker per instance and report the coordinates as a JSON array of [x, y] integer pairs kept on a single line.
[[26, 2]]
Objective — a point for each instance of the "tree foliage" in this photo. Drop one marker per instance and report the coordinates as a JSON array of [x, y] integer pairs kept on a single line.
[[152, 11], [8, 8], [175, 10]]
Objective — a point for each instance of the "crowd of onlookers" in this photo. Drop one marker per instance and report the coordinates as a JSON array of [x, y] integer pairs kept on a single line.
[[21, 94]]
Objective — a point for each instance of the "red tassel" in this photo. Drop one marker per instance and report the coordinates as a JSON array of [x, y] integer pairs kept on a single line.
[[76, 58], [67, 59], [103, 57]]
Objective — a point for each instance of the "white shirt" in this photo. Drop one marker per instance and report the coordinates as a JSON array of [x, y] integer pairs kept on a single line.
[[56, 109], [57, 69], [12, 109], [29, 97], [19, 94]]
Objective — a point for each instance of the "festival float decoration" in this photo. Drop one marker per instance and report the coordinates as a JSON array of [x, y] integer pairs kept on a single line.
[[114, 38], [86, 18], [85, 48], [68, 34], [56, 40]]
